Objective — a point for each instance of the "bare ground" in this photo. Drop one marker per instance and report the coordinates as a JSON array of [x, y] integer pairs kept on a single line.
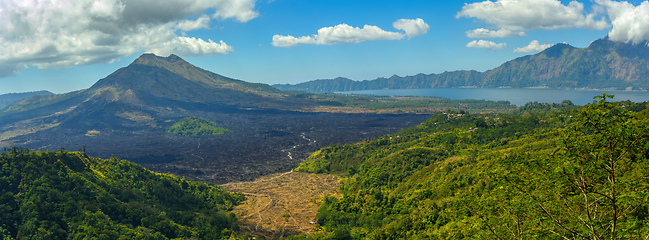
[[261, 142], [283, 204]]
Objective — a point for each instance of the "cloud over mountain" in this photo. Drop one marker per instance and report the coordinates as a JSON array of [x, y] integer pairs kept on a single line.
[[343, 33], [630, 23], [486, 33], [483, 44], [65, 33], [534, 46], [512, 16]]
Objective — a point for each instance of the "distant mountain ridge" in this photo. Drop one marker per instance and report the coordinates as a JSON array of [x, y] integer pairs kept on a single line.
[[602, 65]]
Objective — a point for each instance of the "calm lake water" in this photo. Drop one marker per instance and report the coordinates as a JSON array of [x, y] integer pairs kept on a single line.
[[516, 96]]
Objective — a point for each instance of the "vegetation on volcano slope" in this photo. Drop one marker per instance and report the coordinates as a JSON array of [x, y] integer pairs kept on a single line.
[[542, 173], [392, 104], [68, 195], [193, 126]]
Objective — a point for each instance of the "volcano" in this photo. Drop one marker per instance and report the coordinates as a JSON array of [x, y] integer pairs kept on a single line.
[[126, 115]]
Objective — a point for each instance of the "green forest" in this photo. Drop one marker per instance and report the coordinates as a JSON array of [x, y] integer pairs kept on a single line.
[[68, 195], [193, 126], [548, 171]]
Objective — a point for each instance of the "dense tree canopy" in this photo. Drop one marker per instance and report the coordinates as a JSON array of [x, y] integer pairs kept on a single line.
[[594, 185], [550, 171], [68, 195]]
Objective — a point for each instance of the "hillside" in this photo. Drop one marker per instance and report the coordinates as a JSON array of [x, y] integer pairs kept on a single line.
[[9, 98], [68, 195], [602, 65], [550, 171]]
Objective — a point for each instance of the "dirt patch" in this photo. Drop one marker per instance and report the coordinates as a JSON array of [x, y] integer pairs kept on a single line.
[[282, 204]]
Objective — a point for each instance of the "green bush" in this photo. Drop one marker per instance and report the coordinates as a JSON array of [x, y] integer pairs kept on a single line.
[[193, 126]]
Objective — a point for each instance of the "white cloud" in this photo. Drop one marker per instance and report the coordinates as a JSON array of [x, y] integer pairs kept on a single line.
[[412, 27], [516, 15], [289, 41], [242, 10], [534, 46], [486, 33], [189, 25], [343, 33], [486, 45], [189, 46], [630, 23], [65, 33]]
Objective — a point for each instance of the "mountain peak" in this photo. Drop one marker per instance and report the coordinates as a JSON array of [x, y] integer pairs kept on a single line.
[[151, 59], [176, 79], [557, 50]]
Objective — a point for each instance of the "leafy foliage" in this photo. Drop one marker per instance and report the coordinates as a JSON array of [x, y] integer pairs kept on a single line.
[[546, 172], [193, 126], [68, 195], [594, 185]]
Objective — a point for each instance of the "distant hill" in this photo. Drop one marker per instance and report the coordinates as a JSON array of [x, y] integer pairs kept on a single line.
[[602, 65], [9, 98], [68, 195]]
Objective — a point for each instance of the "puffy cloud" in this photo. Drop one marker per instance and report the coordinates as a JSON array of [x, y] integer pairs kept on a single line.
[[189, 46], [486, 45], [516, 15], [630, 23], [189, 25], [412, 27], [486, 33], [343, 33], [289, 41], [242, 10], [534, 46], [65, 33]]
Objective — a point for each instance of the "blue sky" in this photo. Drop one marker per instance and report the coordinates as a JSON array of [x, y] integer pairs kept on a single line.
[[68, 45]]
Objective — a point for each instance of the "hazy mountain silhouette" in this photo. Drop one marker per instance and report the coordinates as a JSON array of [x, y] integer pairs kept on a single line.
[[603, 64]]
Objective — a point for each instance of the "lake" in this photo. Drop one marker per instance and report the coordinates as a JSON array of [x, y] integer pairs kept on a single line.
[[516, 96]]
